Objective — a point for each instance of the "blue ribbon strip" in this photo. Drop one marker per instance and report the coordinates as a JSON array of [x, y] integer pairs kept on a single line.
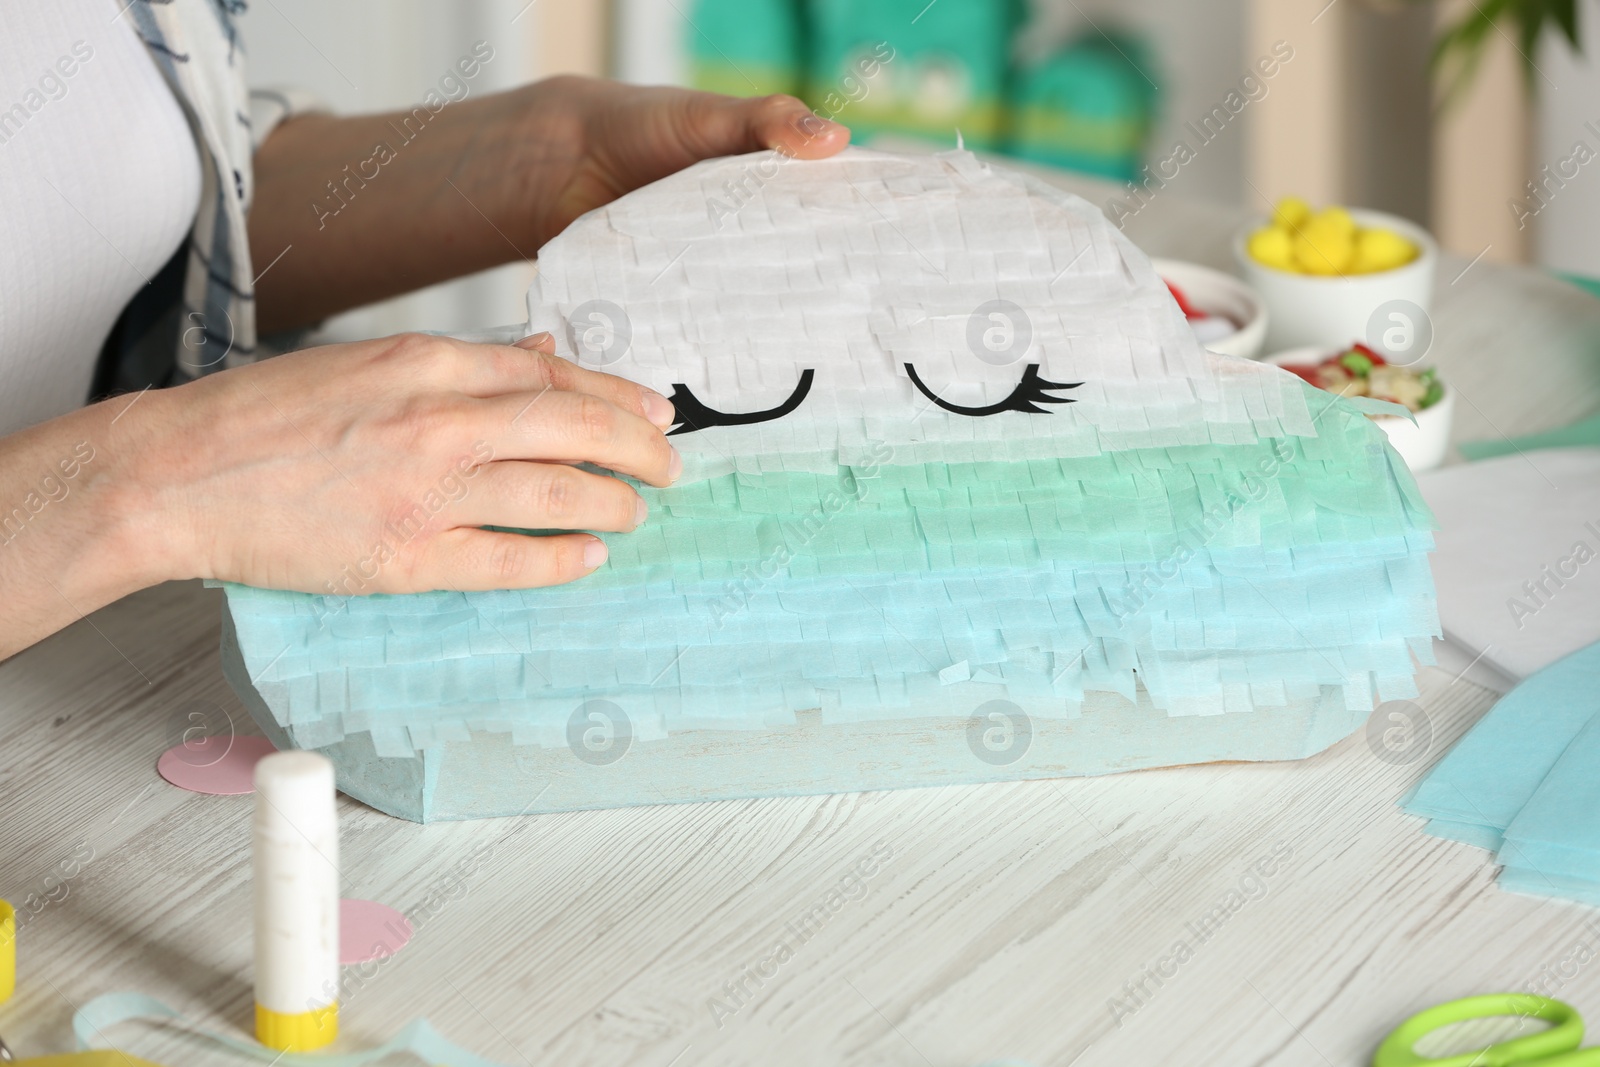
[[91, 1023]]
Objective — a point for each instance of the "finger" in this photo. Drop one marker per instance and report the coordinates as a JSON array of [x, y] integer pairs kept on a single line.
[[474, 560], [532, 365], [789, 126], [631, 397], [725, 125], [537, 342], [557, 426], [548, 496]]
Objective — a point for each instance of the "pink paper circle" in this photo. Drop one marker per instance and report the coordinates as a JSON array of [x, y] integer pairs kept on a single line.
[[223, 765], [370, 931]]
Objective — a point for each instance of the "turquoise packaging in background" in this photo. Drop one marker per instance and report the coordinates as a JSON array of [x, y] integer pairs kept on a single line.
[[907, 68], [949, 72], [1088, 107], [746, 47]]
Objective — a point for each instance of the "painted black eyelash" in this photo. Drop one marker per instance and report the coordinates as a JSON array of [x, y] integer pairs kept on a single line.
[[1030, 391], [693, 415]]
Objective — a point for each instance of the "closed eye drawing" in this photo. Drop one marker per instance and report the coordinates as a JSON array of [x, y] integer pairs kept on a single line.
[[1030, 391], [693, 415]]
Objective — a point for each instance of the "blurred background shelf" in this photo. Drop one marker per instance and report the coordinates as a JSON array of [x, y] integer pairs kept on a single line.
[[1169, 93]]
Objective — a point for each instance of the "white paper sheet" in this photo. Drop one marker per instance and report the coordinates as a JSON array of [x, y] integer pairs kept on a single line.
[[1517, 562]]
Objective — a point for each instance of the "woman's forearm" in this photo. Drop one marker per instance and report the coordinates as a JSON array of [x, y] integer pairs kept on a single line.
[[351, 210], [74, 533], [369, 206], [384, 466]]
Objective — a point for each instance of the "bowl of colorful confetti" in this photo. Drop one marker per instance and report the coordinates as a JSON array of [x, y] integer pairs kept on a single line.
[[1332, 274], [1227, 316], [1359, 370]]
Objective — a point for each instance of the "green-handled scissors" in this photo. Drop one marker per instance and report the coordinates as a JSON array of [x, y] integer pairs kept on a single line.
[[1555, 1047]]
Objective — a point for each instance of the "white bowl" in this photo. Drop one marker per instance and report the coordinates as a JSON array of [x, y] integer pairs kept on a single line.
[[1314, 309], [1422, 444], [1220, 294]]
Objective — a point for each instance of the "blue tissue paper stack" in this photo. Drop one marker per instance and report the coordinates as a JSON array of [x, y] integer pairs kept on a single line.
[[1525, 783]]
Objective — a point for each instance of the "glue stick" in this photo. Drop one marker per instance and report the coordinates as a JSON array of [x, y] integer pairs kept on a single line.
[[295, 855]]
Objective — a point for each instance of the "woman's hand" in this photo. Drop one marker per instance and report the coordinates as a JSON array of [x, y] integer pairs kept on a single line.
[[488, 180], [369, 467], [352, 469], [574, 143]]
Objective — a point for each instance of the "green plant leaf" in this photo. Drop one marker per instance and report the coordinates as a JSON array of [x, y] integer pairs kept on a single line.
[[1459, 47], [1565, 15]]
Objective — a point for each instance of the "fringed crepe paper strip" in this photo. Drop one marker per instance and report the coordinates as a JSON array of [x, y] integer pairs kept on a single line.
[[963, 501], [1525, 783]]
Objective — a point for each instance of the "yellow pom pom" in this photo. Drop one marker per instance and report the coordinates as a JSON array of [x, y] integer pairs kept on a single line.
[[1291, 213], [1379, 249], [1336, 218], [1273, 247], [1323, 247]]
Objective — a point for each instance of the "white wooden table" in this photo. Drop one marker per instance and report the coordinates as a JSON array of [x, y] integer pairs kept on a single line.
[[1006, 921]]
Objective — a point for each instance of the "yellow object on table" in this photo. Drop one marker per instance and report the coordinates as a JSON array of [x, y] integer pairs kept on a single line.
[[1329, 242], [106, 1057], [1273, 246], [1336, 218], [1324, 246], [304, 1031], [1290, 214], [8, 951], [1382, 250], [8, 985]]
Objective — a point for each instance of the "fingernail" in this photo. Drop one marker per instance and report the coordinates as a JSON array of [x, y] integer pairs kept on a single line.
[[641, 511], [812, 125], [674, 465], [595, 553], [658, 409], [535, 340]]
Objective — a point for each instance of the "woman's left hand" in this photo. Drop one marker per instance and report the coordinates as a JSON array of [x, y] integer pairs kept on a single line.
[[578, 143]]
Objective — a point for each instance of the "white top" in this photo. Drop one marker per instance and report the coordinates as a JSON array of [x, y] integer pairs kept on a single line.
[[101, 182]]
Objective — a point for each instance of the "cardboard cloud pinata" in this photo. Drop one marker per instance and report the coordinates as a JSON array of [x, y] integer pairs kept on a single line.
[[964, 500]]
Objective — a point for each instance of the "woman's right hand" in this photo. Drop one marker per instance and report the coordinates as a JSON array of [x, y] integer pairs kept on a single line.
[[349, 469], [370, 467]]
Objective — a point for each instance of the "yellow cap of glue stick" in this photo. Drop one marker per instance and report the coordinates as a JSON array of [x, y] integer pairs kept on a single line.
[[302, 1031], [8, 951]]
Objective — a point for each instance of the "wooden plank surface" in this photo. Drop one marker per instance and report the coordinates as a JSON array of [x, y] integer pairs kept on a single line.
[[1037, 920]]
